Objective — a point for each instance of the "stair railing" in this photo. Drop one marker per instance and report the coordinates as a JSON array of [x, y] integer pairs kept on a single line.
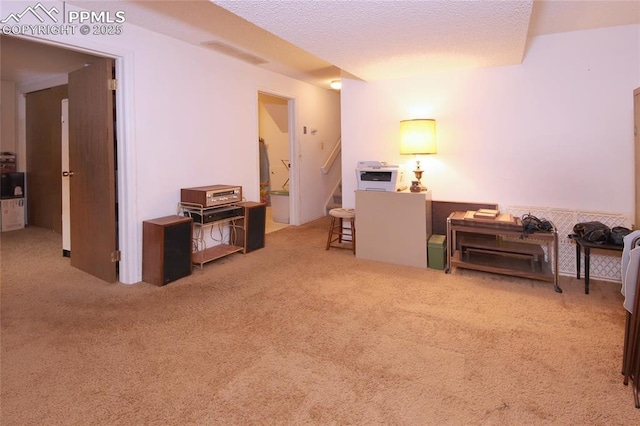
[[332, 157]]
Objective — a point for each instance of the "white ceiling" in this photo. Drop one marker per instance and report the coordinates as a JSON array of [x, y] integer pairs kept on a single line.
[[317, 41], [24, 61]]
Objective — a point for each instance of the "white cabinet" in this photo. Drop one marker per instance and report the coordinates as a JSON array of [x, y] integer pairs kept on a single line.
[[393, 227], [12, 214]]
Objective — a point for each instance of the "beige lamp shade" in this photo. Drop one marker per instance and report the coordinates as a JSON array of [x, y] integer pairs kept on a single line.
[[418, 136]]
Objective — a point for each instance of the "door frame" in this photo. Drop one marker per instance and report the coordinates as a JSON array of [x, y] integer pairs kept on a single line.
[[129, 231], [636, 156], [66, 199], [294, 149]]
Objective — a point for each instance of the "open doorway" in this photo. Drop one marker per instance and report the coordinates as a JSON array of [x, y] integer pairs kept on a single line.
[[275, 151], [88, 127], [63, 63]]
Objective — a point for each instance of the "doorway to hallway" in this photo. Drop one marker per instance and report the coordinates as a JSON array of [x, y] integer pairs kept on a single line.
[[275, 152]]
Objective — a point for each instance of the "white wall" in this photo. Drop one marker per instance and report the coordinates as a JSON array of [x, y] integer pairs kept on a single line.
[[555, 131], [188, 117], [204, 127], [324, 118]]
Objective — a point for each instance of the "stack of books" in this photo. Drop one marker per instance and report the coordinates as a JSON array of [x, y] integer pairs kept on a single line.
[[486, 214]]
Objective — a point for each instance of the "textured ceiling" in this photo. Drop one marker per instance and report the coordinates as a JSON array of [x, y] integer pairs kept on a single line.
[[382, 40], [317, 41], [559, 16], [390, 39]]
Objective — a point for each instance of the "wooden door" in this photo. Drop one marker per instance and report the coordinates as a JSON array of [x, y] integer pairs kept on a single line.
[[43, 139], [92, 169], [636, 136]]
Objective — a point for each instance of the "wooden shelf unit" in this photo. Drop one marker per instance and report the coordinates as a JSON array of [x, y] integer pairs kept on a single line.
[[202, 254], [212, 253]]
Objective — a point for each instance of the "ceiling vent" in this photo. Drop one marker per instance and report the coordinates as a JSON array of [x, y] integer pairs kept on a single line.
[[233, 52]]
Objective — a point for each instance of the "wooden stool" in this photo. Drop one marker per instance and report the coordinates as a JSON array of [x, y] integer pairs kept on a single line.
[[338, 233]]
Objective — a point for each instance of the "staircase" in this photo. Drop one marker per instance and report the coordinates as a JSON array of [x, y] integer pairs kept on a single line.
[[335, 201], [336, 198]]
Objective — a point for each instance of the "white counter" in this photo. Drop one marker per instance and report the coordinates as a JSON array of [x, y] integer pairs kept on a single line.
[[393, 227]]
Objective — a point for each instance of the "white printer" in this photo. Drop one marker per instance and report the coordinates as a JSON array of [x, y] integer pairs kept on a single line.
[[379, 176]]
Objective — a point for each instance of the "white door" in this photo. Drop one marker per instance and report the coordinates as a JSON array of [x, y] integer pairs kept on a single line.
[[66, 217], [636, 135]]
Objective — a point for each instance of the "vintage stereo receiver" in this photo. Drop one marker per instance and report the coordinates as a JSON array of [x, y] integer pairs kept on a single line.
[[219, 213], [211, 196]]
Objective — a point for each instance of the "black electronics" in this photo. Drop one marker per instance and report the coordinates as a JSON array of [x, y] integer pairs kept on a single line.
[[12, 185], [216, 214], [384, 176], [212, 195]]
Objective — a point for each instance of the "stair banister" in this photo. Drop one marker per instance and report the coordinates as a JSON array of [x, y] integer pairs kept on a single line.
[[332, 157]]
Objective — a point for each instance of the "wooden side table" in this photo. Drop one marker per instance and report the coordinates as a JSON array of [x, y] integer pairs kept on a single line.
[[587, 246], [500, 257]]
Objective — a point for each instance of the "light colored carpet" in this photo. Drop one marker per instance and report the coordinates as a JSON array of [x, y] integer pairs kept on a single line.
[[294, 334]]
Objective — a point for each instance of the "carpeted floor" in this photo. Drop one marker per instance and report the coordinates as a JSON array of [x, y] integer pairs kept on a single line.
[[294, 334]]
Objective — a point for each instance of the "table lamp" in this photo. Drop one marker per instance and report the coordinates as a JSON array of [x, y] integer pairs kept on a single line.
[[418, 137]]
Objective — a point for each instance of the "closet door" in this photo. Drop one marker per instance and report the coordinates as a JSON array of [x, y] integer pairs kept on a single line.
[[44, 169]]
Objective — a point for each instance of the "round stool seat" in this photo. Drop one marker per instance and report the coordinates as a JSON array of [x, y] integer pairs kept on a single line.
[[340, 237], [343, 213]]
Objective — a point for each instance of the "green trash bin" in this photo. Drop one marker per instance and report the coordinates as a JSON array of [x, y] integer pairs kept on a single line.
[[437, 252]]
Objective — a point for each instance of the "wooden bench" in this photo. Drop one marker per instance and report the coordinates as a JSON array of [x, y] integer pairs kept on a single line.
[[512, 249]]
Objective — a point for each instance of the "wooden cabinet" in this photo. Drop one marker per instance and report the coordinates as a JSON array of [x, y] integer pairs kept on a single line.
[[393, 227], [166, 249]]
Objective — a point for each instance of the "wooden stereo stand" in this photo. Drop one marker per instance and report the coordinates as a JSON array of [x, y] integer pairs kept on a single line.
[[488, 245], [246, 223]]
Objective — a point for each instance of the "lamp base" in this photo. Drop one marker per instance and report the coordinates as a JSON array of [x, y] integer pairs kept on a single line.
[[416, 186]]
